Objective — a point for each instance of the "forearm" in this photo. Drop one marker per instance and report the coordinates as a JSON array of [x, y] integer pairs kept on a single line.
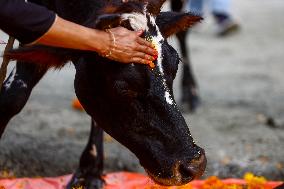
[[70, 35]]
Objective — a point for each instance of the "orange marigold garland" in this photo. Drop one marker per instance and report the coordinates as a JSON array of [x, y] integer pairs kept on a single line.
[[214, 182], [250, 182], [255, 182], [124, 180]]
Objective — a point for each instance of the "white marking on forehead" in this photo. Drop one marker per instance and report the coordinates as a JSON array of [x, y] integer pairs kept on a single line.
[[158, 40], [138, 21], [93, 152], [168, 98]]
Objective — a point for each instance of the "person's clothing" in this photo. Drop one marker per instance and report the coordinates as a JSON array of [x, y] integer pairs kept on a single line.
[[196, 6], [216, 6], [220, 10], [25, 21], [221, 6]]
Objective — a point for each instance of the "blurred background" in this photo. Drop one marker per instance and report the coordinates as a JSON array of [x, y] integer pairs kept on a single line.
[[240, 120]]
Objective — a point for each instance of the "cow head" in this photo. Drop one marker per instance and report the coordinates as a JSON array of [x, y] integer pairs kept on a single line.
[[134, 103]]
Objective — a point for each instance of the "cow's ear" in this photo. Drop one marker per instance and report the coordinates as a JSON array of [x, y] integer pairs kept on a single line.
[[171, 23], [154, 6], [42, 55], [107, 21]]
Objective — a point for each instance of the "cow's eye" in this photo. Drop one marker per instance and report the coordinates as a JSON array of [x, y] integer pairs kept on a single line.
[[123, 90], [129, 93]]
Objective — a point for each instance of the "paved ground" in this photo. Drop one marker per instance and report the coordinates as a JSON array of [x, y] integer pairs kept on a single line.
[[241, 84]]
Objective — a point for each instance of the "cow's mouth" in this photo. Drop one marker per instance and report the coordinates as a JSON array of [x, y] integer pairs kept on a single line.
[[182, 173]]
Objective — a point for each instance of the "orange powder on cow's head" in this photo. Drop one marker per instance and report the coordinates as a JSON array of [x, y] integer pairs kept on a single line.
[[151, 63]]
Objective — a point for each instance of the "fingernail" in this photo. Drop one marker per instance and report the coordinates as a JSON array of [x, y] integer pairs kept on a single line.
[[155, 56]]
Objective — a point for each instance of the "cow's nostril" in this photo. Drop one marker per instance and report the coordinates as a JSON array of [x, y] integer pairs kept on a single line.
[[186, 172], [195, 168]]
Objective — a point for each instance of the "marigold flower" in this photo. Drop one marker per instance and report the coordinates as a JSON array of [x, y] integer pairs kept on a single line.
[[255, 182]]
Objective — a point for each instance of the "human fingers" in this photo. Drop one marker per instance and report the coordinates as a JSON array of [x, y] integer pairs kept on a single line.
[[146, 43], [147, 50], [144, 56], [146, 47], [143, 41], [139, 60]]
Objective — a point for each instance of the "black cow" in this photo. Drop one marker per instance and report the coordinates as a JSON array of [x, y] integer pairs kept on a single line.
[[133, 103]]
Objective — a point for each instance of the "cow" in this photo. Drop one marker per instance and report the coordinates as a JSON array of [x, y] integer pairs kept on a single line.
[[133, 103]]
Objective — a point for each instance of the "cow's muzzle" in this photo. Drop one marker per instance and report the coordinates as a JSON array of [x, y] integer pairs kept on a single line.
[[194, 169], [184, 172]]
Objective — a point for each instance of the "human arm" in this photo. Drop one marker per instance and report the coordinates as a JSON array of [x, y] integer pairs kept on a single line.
[[31, 23], [128, 46]]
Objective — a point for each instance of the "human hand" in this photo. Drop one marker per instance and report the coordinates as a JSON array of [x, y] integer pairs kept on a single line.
[[127, 47]]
